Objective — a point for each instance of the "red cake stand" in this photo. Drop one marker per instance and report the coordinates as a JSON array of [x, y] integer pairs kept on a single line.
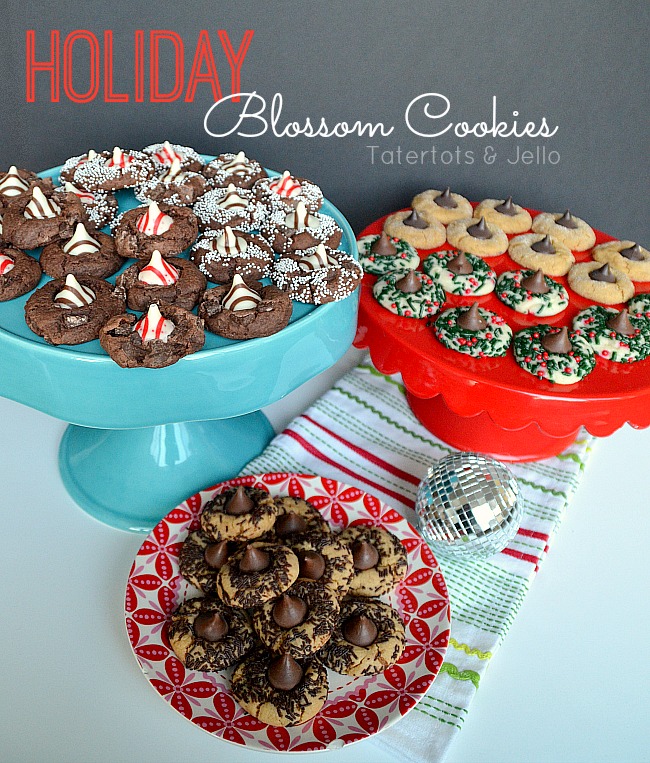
[[492, 405]]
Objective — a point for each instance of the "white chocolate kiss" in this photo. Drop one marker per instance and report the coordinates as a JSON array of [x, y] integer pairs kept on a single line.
[[228, 243], [6, 263], [81, 242], [299, 218], [316, 260], [238, 165], [153, 325], [157, 272], [232, 199], [240, 297], [74, 294], [41, 208], [12, 184], [174, 174], [154, 222]]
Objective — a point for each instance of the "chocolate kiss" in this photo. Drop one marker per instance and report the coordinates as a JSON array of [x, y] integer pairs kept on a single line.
[[364, 555], [507, 208], [566, 221], [284, 673], [210, 626], [359, 630], [446, 200], [632, 253], [254, 560], [383, 246], [544, 246], [409, 284], [460, 265], [603, 274], [312, 565], [558, 342], [620, 322], [290, 523], [289, 611], [415, 221], [536, 283], [471, 320], [215, 554], [238, 503], [480, 230]]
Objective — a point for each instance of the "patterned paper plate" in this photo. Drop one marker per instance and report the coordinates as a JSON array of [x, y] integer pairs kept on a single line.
[[356, 708]]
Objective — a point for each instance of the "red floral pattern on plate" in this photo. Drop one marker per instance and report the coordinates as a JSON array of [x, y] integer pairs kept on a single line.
[[355, 708]]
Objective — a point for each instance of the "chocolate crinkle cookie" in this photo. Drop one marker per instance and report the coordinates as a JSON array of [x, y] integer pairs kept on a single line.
[[237, 169], [317, 275], [165, 154], [173, 185], [163, 336], [220, 254], [172, 281], [38, 218], [140, 231], [108, 170], [86, 253], [242, 310], [72, 311], [100, 206], [19, 273], [16, 183]]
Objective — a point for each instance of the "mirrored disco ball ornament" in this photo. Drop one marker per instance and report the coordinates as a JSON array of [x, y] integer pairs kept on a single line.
[[468, 504]]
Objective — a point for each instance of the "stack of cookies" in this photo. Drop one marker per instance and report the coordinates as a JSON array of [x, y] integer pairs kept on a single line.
[[476, 248], [284, 599], [261, 240]]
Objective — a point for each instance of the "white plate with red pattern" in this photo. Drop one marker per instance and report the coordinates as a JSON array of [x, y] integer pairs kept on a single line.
[[356, 708]]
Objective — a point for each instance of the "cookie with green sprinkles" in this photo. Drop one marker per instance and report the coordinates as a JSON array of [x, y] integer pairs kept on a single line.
[[531, 292], [382, 254], [639, 306], [460, 273], [614, 335], [410, 294], [554, 354], [473, 331]]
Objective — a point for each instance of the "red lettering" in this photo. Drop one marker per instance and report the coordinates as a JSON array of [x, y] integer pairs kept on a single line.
[[32, 66], [203, 53], [109, 95], [235, 59], [139, 66], [155, 36], [93, 85]]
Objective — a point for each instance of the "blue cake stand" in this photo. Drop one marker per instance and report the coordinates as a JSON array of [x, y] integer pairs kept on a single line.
[[141, 440]]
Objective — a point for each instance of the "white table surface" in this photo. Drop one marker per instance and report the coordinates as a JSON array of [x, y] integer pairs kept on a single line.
[[570, 682]]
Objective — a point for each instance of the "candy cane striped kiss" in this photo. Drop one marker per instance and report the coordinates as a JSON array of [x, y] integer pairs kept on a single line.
[[158, 272], [85, 196], [154, 222], [167, 155], [153, 325], [6, 264], [286, 186], [119, 159]]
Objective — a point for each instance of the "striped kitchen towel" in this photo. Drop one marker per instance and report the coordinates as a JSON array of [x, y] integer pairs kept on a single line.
[[362, 432]]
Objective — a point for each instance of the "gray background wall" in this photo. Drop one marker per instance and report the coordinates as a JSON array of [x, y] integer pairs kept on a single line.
[[583, 65]]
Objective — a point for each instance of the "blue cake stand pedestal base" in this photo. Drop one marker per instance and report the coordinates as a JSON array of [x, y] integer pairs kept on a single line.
[[129, 478]]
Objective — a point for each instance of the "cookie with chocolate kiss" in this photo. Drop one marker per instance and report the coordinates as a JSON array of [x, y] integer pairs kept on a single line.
[[379, 560], [368, 638], [25, 231], [87, 253], [133, 243], [323, 558], [126, 347], [295, 518], [19, 273], [201, 558], [237, 169], [264, 316], [185, 292], [278, 690], [61, 324], [16, 183], [300, 621], [221, 254], [208, 635], [241, 513]]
